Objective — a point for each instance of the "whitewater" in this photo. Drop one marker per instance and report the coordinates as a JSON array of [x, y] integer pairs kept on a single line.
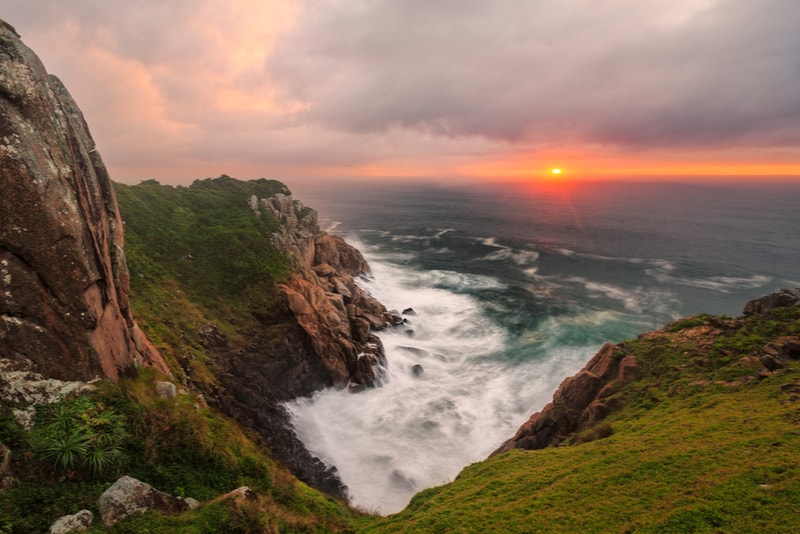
[[506, 292]]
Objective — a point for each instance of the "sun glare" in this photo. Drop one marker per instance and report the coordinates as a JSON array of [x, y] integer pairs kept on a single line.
[[555, 171]]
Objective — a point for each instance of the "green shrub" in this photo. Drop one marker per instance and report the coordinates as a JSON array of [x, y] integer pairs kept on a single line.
[[79, 437]]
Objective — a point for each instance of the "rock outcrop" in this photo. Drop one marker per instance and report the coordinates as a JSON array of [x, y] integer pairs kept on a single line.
[[583, 400], [782, 298], [580, 402], [64, 310], [336, 314]]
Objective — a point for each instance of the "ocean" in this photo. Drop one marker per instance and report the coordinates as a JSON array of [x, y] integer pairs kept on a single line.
[[509, 289]]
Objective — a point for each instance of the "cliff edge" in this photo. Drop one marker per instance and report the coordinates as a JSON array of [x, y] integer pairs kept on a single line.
[[582, 401], [64, 309]]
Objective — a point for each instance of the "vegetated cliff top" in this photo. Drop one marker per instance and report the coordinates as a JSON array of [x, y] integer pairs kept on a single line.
[[704, 439]]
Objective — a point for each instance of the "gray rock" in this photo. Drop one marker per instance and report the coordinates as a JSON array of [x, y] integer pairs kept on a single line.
[[780, 299], [79, 522], [130, 496], [166, 390]]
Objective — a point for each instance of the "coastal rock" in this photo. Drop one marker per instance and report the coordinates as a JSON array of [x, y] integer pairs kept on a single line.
[[130, 496], [782, 298], [79, 522], [333, 311], [64, 284], [580, 402]]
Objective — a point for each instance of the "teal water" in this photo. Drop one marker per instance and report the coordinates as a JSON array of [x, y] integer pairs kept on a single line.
[[514, 288]]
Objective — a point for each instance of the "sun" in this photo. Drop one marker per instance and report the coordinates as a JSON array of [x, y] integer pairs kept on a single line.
[[555, 172]]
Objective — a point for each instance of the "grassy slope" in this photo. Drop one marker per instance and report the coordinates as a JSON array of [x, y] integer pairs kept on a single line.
[[180, 446], [695, 448]]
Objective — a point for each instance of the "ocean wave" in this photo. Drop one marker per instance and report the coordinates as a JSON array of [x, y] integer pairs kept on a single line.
[[636, 299], [720, 284]]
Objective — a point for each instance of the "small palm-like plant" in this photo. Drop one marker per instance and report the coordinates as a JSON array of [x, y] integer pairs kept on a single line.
[[64, 452], [79, 435]]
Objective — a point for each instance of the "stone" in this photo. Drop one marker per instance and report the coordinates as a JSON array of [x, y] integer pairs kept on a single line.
[[130, 496], [166, 390], [417, 370], [64, 283], [79, 522], [765, 304], [629, 369]]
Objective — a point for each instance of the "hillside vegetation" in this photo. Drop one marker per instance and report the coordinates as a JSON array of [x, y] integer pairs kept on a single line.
[[704, 440], [197, 255]]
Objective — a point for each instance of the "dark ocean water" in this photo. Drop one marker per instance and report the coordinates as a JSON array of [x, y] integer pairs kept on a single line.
[[515, 288]]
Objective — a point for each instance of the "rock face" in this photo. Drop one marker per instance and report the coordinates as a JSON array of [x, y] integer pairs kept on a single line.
[[64, 310], [579, 402], [763, 305], [336, 314], [130, 496]]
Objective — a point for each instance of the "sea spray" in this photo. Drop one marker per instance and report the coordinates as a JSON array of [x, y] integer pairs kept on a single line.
[[453, 393]]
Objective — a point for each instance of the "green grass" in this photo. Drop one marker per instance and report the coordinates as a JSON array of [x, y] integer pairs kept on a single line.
[[689, 452], [177, 446]]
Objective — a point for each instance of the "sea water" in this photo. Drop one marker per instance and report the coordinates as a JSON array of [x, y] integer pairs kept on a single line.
[[509, 289]]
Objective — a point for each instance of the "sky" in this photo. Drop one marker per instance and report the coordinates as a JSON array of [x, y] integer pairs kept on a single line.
[[428, 89]]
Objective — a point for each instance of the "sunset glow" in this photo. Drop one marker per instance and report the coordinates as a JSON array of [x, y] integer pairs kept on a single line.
[[298, 90]]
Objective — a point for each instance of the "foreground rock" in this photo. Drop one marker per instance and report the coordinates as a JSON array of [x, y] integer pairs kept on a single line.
[[64, 310], [130, 496], [79, 522]]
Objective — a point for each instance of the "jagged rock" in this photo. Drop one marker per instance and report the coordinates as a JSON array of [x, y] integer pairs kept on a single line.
[[130, 496], [79, 522], [763, 305], [63, 280], [579, 402], [335, 313]]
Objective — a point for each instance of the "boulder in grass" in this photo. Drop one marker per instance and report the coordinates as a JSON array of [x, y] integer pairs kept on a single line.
[[130, 496]]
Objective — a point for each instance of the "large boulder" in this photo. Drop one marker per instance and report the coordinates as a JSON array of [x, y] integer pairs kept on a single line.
[[130, 496], [63, 279]]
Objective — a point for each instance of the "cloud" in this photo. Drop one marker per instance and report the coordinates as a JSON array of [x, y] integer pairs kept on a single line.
[[417, 87], [625, 72]]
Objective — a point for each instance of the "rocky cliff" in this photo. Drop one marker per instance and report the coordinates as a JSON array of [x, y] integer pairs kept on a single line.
[[64, 308], [336, 314], [585, 399]]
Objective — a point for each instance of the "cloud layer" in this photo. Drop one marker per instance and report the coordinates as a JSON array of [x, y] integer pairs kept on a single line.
[[384, 87]]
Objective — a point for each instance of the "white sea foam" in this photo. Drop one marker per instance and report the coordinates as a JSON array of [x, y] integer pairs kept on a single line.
[[720, 284], [636, 299], [419, 431]]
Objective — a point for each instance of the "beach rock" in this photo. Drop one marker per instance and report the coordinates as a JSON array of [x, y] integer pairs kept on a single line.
[[64, 284], [79, 522], [130, 496]]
